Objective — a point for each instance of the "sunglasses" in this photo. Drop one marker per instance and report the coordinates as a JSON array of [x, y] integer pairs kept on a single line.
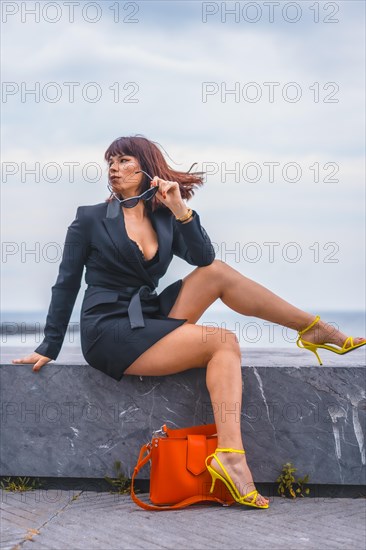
[[146, 195], [133, 201]]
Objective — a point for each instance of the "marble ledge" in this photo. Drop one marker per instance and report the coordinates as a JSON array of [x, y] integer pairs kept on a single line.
[[70, 420]]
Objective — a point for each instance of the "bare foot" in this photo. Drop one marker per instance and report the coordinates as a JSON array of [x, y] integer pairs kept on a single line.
[[322, 333], [237, 467]]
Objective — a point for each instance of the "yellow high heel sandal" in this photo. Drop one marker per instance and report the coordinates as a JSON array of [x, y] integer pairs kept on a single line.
[[313, 347], [229, 482]]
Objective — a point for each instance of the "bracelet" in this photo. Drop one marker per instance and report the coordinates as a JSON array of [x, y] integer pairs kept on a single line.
[[186, 216]]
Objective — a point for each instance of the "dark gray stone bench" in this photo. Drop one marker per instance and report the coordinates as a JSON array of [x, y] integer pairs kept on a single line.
[[70, 420]]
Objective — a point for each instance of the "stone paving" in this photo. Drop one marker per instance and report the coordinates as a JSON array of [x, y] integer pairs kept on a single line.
[[73, 519]]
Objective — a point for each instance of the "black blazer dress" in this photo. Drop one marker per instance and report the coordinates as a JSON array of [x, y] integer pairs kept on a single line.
[[121, 313]]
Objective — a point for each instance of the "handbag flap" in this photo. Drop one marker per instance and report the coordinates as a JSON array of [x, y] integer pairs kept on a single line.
[[196, 453], [205, 429]]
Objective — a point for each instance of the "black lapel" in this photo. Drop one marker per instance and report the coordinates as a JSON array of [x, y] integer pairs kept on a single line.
[[115, 226]]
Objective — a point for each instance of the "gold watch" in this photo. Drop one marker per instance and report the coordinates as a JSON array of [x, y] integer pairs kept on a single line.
[[186, 216]]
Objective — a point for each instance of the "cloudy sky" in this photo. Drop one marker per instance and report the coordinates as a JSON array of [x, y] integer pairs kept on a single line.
[[271, 104]]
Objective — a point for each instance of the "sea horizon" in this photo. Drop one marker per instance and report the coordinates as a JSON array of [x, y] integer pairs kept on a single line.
[[25, 328]]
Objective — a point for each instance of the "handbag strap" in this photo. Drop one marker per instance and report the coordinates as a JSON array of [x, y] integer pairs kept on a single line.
[[192, 500]]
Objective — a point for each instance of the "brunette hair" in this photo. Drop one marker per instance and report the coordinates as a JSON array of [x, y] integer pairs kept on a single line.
[[153, 162]]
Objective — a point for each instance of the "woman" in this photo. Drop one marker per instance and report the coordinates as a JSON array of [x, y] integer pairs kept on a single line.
[[126, 244]]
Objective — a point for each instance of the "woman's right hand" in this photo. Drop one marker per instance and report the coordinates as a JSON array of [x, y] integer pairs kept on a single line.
[[36, 358]]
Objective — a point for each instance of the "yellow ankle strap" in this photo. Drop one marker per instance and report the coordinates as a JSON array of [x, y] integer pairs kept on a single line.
[[230, 450], [317, 318]]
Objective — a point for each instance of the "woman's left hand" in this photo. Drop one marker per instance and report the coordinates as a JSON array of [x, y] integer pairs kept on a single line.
[[169, 193]]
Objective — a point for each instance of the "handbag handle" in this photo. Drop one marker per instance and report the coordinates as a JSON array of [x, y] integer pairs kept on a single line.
[[192, 500]]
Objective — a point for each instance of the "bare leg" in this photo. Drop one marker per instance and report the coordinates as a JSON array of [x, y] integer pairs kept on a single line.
[[224, 383], [185, 348], [219, 280]]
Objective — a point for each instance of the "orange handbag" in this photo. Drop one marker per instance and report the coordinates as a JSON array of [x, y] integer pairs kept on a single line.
[[178, 475]]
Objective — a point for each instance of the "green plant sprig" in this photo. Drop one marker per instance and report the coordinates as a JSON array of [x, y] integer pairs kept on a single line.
[[19, 484], [121, 483], [286, 481]]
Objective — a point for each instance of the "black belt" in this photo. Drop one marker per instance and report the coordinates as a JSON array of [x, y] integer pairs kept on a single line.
[[134, 308]]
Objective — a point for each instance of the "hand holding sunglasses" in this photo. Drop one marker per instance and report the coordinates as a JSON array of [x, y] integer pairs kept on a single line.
[[131, 202], [165, 187]]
